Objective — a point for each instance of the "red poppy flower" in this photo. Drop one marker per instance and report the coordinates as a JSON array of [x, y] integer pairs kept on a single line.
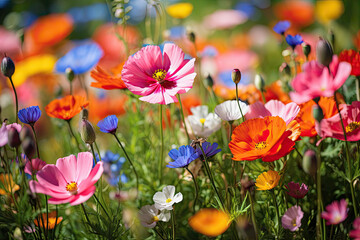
[[352, 57]]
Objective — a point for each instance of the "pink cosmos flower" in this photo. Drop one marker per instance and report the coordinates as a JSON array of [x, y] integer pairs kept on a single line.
[[336, 212], [292, 218], [71, 180], [316, 81], [159, 76], [355, 233], [287, 112], [4, 132], [331, 127], [297, 191], [33, 166]]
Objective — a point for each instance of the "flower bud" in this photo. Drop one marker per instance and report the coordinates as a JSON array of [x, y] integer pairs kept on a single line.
[[324, 52], [192, 37], [84, 114], [236, 75], [26, 133], [7, 67], [318, 113], [309, 163], [28, 145], [70, 74], [259, 82], [14, 138], [209, 82], [306, 49], [285, 69], [87, 132]]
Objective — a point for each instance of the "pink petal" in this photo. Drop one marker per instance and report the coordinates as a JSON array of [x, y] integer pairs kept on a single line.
[[50, 177], [94, 176], [257, 110], [68, 167], [57, 201], [287, 112], [176, 56], [83, 197], [35, 187], [84, 166], [342, 75]]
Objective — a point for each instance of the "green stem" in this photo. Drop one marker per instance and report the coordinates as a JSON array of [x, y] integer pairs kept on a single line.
[[161, 160], [196, 188], [47, 214], [93, 152], [253, 214], [237, 100], [158, 233], [102, 207], [173, 224], [319, 198], [182, 117], [263, 96], [277, 212], [72, 134], [98, 151], [36, 140], [85, 213], [357, 83], [16, 100]]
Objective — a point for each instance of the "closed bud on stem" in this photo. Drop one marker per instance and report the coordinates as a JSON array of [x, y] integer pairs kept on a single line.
[[324, 52], [309, 163], [318, 113], [28, 145], [70, 74], [192, 37], [87, 132], [236, 75], [259, 82], [84, 114], [7, 67], [306, 49], [209, 82], [14, 138], [285, 69]]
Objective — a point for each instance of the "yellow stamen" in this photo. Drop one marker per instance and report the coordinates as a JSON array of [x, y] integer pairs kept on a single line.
[[159, 75], [202, 120], [293, 222], [72, 188], [352, 126], [155, 219], [260, 145], [168, 200]]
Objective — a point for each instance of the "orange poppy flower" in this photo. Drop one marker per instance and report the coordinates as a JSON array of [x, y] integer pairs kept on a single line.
[[352, 57], [298, 12], [107, 81], [7, 185], [51, 220], [266, 138], [275, 91], [210, 222], [66, 107], [267, 180]]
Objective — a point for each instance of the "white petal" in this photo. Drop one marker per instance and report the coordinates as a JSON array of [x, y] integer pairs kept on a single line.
[[164, 216], [169, 191], [178, 197], [159, 197]]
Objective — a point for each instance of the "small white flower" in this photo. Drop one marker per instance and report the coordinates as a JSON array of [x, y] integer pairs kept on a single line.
[[202, 122], [149, 216], [166, 198], [229, 110]]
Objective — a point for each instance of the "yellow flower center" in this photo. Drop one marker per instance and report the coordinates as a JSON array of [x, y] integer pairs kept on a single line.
[[202, 120], [260, 145], [155, 219], [293, 222], [72, 188], [159, 75], [352, 126], [168, 200]]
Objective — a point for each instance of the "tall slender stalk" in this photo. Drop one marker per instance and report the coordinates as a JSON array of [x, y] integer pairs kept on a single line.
[[72, 134], [237, 100], [36, 140], [16, 100], [183, 117], [173, 224], [277, 212], [196, 188], [161, 160]]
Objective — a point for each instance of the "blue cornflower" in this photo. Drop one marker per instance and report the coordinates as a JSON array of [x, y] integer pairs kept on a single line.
[[281, 27], [293, 41], [108, 124], [112, 163], [182, 157], [80, 59], [29, 115], [209, 150]]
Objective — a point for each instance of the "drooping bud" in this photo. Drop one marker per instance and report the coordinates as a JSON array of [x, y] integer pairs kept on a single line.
[[84, 114], [236, 75], [309, 163], [318, 113], [14, 138], [324, 52], [192, 37], [209, 82], [70, 74], [306, 49], [285, 69], [7, 67], [28, 145], [259, 82], [26, 133], [87, 131]]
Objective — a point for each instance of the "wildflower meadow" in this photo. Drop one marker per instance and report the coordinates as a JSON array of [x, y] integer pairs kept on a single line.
[[170, 119]]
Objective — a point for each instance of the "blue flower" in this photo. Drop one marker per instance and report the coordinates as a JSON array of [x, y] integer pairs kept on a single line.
[[29, 115], [80, 59], [108, 124], [293, 41], [182, 157], [209, 150], [114, 180], [281, 27]]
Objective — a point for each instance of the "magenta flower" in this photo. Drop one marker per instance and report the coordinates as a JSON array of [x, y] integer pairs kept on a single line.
[[33, 166], [292, 218], [336, 212], [159, 76], [71, 180], [316, 81], [355, 233], [297, 191], [331, 127], [287, 112]]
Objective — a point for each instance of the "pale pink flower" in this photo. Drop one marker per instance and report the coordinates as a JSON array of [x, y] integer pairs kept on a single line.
[[159, 76], [4, 132], [331, 127], [287, 112], [224, 19], [336, 212], [316, 81], [71, 180], [355, 233], [292, 218], [34, 166]]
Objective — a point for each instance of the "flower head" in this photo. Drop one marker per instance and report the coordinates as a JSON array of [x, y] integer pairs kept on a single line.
[[267, 180], [353, 57], [29, 115], [33, 166], [4, 132], [71, 180], [167, 198], [229, 110], [80, 59], [293, 41], [107, 81], [149, 215], [67, 107], [182, 157], [292, 218], [297, 191], [202, 122], [108, 124], [50, 220], [336, 212], [210, 222], [355, 233], [266, 138], [7, 185], [281, 27], [180, 10], [159, 76], [209, 149]]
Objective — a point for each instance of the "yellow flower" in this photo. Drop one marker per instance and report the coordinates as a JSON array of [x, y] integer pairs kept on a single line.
[[32, 66], [267, 180], [180, 10], [327, 10], [7, 185]]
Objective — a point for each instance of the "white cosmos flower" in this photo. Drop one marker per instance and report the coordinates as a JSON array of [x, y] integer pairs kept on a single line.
[[202, 122], [149, 215], [229, 110], [167, 198]]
